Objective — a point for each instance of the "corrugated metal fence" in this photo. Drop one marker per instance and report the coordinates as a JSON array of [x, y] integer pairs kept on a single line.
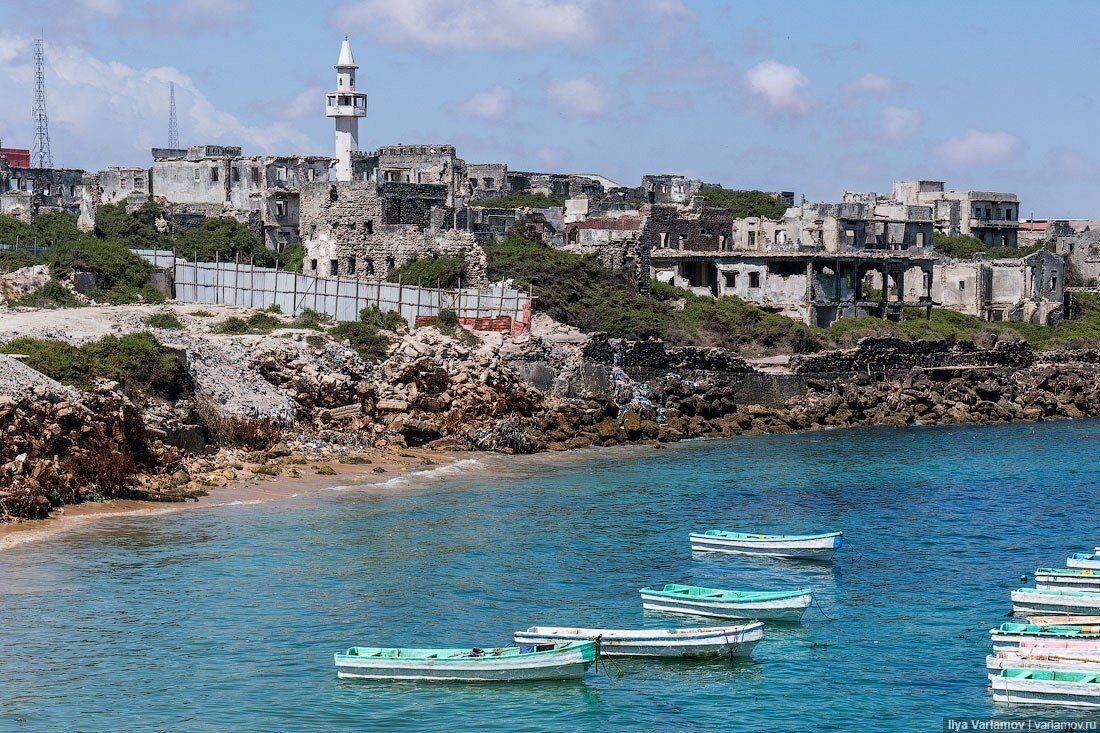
[[233, 283]]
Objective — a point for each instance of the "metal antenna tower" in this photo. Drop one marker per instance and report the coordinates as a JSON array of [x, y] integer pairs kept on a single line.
[[173, 127], [41, 158]]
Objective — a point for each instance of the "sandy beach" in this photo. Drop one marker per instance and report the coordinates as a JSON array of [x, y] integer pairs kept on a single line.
[[405, 464]]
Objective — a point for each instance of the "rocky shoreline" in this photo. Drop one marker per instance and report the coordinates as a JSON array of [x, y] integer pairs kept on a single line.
[[445, 392]]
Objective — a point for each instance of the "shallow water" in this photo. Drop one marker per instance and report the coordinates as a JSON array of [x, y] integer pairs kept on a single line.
[[227, 617]]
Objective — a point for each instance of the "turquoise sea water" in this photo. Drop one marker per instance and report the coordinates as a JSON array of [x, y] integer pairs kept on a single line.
[[226, 618]]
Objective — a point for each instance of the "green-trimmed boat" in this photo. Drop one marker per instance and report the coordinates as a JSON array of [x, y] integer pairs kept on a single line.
[[1067, 579], [785, 605], [566, 661], [1008, 636]]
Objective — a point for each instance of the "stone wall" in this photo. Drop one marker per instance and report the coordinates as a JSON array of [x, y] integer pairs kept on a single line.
[[878, 355]]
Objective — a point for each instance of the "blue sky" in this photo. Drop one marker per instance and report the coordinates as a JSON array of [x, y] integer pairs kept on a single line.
[[813, 97]]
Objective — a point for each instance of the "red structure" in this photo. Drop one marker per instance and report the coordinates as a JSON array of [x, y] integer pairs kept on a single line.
[[17, 157]]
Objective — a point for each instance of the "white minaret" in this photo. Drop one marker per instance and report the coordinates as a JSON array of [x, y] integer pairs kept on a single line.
[[347, 106]]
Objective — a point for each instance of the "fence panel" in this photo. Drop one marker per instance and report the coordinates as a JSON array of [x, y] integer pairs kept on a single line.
[[232, 283]]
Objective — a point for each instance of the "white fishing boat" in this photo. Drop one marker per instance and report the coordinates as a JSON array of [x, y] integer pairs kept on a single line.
[[803, 547], [1023, 686], [994, 663], [565, 661], [1084, 560], [788, 605], [1010, 636], [1030, 601], [716, 641], [1067, 579]]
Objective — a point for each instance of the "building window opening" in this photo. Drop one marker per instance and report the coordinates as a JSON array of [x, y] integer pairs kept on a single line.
[[370, 226], [311, 175], [682, 240], [754, 279], [731, 279], [197, 176], [662, 238], [390, 264], [1004, 240], [236, 174], [313, 265], [721, 241], [351, 265], [920, 239], [255, 175], [213, 175], [368, 265], [280, 173], [962, 284], [752, 239], [334, 267], [280, 209]]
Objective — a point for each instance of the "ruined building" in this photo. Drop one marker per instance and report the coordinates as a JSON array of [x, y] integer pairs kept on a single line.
[[1027, 290], [993, 218], [23, 187], [819, 263]]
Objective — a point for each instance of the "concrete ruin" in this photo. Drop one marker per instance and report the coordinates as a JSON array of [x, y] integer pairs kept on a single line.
[[991, 217], [25, 191], [819, 263], [1026, 290]]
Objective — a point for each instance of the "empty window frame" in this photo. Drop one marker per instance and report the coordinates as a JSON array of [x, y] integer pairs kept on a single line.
[[754, 279], [334, 267], [213, 175]]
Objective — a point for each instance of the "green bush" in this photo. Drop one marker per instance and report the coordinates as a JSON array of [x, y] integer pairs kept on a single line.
[[257, 323], [745, 203], [446, 271], [224, 238], [137, 361], [164, 319], [292, 257], [364, 338], [51, 295], [964, 247], [12, 260], [134, 230], [310, 318], [383, 320], [520, 200], [121, 276]]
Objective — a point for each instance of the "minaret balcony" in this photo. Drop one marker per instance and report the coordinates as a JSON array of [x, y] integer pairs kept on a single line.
[[346, 104]]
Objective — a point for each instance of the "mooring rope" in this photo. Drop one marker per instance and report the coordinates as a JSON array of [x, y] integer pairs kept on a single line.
[[816, 602]]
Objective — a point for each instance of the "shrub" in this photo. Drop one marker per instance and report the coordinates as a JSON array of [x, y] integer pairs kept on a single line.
[[202, 314], [121, 276], [445, 271], [745, 203], [448, 317], [964, 247], [520, 200], [12, 260], [383, 320], [137, 361], [134, 230], [292, 257], [255, 324], [163, 319], [274, 308], [363, 337], [223, 237], [310, 318]]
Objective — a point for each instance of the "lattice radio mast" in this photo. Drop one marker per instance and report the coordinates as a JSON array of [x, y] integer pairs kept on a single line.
[[41, 157], [173, 127]]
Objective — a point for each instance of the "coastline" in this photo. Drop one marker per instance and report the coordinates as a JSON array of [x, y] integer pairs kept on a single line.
[[401, 468]]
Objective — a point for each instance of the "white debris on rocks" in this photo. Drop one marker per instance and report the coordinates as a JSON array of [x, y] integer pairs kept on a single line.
[[25, 280]]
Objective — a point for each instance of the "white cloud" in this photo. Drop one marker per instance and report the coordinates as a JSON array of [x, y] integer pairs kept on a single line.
[[104, 112], [579, 97], [900, 123], [782, 88], [461, 24], [308, 103], [491, 104], [977, 147], [873, 85]]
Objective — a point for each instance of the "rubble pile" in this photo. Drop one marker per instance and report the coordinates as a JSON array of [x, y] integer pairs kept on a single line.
[[324, 374], [58, 448]]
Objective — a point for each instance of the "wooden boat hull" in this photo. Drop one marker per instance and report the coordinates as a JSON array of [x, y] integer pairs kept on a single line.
[[1085, 650], [1039, 692], [782, 609], [994, 663], [1090, 561], [816, 547], [569, 664], [728, 641], [1064, 620], [1026, 601]]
